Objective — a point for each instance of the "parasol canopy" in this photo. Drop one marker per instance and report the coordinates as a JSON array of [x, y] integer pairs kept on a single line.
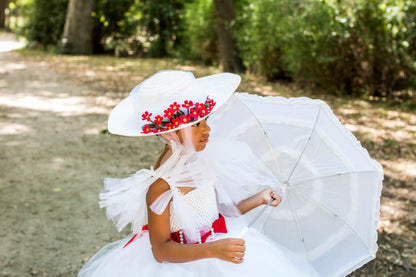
[[329, 214]]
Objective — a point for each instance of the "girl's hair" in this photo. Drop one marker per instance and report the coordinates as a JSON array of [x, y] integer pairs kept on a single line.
[[159, 159]]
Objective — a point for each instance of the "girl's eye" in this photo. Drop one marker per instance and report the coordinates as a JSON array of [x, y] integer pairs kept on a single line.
[[197, 124]]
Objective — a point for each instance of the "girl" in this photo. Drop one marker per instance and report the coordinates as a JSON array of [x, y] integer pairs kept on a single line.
[[183, 220]]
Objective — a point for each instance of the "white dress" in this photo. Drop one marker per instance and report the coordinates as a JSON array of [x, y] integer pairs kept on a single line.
[[195, 210]]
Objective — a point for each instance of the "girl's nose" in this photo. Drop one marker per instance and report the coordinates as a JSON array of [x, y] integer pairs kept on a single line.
[[205, 127]]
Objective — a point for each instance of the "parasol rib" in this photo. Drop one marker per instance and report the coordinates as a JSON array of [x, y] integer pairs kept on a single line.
[[306, 143], [299, 229], [329, 176], [318, 205], [251, 223], [265, 135]]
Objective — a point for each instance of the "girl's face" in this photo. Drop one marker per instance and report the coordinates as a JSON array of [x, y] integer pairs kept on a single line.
[[200, 135]]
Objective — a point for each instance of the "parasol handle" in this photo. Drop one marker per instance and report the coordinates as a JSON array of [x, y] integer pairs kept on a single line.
[[251, 223]]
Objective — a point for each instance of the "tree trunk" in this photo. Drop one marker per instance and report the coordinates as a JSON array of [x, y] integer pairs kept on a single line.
[[77, 37], [3, 6], [230, 55]]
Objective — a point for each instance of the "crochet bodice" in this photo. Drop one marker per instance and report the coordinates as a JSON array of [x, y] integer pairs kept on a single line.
[[202, 201]]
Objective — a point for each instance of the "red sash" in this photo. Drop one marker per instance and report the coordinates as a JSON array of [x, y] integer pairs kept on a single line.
[[218, 226]]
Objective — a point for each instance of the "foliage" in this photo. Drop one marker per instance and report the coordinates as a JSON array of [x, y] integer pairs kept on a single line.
[[200, 32], [163, 26], [46, 21], [114, 23], [354, 47], [16, 13], [264, 29], [368, 48]]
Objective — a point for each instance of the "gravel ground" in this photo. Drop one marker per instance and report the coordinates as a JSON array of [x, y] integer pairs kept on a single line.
[[54, 155]]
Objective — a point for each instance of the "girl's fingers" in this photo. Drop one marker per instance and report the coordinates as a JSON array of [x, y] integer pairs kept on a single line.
[[239, 248], [238, 241], [276, 199], [238, 254], [237, 260]]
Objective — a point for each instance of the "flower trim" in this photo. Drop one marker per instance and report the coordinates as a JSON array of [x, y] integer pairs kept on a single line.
[[175, 115]]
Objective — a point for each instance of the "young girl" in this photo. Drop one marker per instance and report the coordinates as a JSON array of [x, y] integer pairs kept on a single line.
[[183, 220]]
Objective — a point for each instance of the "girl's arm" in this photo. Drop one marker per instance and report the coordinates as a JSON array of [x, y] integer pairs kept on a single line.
[[263, 197], [164, 249]]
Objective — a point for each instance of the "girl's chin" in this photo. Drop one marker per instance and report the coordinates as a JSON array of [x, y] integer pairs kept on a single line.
[[201, 147]]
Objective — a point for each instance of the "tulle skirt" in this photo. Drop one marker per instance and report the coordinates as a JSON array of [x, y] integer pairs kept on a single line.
[[262, 258]]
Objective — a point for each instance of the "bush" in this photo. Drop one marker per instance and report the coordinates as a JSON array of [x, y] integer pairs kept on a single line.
[[263, 33], [200, 32], [46, 21], [163, 26], [115, 24], [354, 47], [377, 46]]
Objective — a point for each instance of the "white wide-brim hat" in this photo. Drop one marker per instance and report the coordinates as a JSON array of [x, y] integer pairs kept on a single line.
[[159, 91]]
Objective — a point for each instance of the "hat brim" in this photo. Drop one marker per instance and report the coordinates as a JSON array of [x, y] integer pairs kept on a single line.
[[126, 118]]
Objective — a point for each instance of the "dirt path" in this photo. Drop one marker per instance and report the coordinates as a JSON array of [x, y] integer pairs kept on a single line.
[[55, 152], [53, 158]]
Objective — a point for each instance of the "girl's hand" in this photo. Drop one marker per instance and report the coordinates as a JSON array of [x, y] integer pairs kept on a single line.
[[263, 197], [268, 194], [229, 250]]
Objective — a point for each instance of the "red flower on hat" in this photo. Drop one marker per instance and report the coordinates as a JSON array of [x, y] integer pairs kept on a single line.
[[185, 119], [169, 113], [146, 129], [187, 104], [194, 113], [203, 112], [176, 122], [176, 116], [175, 106], [199, 106], [146, 116], [158, 120], [169, 126]]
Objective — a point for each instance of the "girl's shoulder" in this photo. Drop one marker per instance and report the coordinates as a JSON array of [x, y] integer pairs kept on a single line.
[[156, 189]]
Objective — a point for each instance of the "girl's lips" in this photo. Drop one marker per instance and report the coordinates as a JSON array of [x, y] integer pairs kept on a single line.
[[205, 140]]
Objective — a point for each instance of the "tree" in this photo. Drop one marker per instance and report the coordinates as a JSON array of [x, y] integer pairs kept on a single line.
[[77, 36], [3, 6], [229, 52]]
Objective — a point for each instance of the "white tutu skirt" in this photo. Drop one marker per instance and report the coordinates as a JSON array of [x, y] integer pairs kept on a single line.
[[262, 258]]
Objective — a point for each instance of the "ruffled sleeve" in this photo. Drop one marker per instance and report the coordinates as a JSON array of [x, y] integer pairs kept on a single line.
[[125, 199], [160, 204]]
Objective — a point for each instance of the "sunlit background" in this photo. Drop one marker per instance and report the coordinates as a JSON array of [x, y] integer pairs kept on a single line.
[[358, 56]]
